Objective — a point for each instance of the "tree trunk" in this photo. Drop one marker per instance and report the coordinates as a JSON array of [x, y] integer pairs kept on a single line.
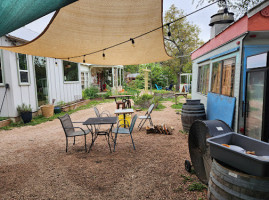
[[178, 80]]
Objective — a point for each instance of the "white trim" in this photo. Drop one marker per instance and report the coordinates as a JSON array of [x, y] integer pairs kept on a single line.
[[19, 70]]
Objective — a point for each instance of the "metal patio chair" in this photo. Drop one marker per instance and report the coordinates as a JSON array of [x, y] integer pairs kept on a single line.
[[145, 117], [69, 130], [98, 114], [120, 130]]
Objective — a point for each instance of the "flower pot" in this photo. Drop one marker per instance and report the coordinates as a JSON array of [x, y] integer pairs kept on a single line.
[[26, 117], [47, 110], [57, 109]]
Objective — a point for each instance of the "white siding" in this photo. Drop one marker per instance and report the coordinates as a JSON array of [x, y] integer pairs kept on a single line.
[[18, 94]]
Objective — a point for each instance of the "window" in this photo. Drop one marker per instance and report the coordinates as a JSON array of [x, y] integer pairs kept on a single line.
[[23, 68], [70, 71], [1, 71], [216, 77], [85, 80], [203, 79], [223, 77]]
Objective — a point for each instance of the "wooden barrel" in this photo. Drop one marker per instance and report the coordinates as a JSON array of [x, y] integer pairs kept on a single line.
[[190, 113], [227, 183]]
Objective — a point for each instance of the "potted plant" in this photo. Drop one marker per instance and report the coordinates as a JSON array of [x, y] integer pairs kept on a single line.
[[58, 107], [25, 112]]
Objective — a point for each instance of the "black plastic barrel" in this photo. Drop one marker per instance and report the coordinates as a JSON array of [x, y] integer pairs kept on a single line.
[[191, 111], [199, 148], [228, 183]]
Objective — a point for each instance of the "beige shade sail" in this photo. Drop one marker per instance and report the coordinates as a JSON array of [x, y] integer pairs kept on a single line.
[[88, 26]]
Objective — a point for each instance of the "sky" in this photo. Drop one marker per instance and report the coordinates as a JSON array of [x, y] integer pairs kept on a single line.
[[201, 18]]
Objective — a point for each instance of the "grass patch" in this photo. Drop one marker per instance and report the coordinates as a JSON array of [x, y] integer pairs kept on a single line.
[[160, 107], [40, 119], [161, 91], [186, 178], [177, 106], [197, 186], [3, 118]]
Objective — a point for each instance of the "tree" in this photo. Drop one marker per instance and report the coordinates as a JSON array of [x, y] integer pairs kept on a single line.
[[183, 40], [239, 7]]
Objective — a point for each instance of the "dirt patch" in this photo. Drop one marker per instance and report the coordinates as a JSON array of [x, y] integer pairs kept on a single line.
[[34, 164]]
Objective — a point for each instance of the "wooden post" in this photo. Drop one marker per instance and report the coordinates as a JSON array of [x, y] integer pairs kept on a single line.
[[146, 75]]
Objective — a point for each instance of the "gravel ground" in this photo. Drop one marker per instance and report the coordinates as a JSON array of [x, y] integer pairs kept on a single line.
[[34, 164]]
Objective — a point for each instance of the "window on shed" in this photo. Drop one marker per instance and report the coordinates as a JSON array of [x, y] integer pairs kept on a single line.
[[223, 77], [70, 71], [203, 79], [227, 84], [85, 79], [216, 77], [1, 71], [23, 68]]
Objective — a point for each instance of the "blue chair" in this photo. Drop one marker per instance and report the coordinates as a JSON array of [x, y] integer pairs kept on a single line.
[[128, 131], [158, 87], [169, 88]]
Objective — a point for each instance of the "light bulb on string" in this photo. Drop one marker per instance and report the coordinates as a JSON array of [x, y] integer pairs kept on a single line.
[[104, 55], [55, 61], [133, 42], [84, 59], [169, 32]]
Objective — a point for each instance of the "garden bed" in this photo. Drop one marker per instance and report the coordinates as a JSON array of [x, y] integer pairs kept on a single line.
[[5, 122], [165, 95], [75, 105]]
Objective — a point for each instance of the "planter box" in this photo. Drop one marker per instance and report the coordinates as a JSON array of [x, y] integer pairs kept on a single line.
[[5, 122], [75, 105]]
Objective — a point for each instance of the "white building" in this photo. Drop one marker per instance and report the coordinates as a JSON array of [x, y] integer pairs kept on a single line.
[[37, 81]]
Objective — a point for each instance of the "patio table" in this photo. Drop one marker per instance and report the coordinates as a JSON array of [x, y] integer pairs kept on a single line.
[[125, 98], [100, 121], [180, 94], [124, 112]]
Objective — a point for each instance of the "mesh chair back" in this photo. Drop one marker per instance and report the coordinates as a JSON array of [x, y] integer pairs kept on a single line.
[[132, 123], [150, 109], [96, 112], [67, 124]]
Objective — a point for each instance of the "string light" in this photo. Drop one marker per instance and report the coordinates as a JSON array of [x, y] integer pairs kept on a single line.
[[104, 55], [55, 61], [146, 33], [133, 42], [84, 59], [169, 32]]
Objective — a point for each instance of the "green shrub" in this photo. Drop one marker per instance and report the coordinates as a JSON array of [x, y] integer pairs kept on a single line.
[[24, 108], [90, 93]]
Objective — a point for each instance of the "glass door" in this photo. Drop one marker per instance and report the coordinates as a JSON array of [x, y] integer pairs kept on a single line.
[[255, 103], [41, 80]]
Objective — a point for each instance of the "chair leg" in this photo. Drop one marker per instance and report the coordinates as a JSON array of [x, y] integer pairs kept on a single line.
[[140, 123], [151, 123], [132, 141], [108, 143], [66, 144], [115, 140], [85, 144], [143, 124], [74, 140]]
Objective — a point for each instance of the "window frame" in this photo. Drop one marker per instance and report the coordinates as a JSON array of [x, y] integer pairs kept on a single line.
[[198, 89], [78, 74], [2, 67], [221, 75], [20, 70]]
